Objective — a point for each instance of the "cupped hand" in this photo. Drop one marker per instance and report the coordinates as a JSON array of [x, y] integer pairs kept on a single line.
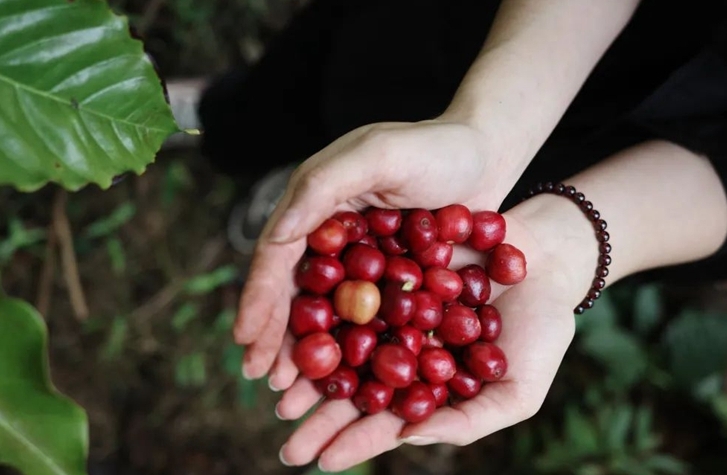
[[392, 165], [538, 326]]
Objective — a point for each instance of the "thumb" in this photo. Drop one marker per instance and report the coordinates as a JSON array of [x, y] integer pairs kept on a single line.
[[315, 195]]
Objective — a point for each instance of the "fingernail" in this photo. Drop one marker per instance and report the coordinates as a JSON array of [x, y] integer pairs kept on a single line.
[[277, 413], [282, 458], [419, 440], [321, 468], [285, 227], [272, 387]]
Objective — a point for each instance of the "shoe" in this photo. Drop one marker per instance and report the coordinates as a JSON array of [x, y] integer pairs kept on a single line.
[[248, 218]]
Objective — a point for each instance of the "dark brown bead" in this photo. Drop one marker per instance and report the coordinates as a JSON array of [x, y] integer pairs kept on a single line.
[[594, 294], [587, 303], [579, 310], [569, 191], [586, 206], [539, 188], [594, 215], [599, 283], [602, 271], [531, 193], [604, 260], [603, 236], [579, 197], [600, 225], [560, 188], [605, 248], [548, 187]]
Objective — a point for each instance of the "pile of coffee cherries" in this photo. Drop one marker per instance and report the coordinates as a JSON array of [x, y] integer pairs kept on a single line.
[[382, 320]]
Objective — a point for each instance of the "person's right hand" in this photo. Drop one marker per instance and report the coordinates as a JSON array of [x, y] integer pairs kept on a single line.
[[428, 164]]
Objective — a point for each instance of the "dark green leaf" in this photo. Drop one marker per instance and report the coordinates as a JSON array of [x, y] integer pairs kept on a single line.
[[647, 308], [184, 314], [41, 431], [618, 429], [663, 464], [206, 283], [112, 222], [191, 370], [619, 352], [601, 316], [696, 344], [116, 339], [80, 101], [116, 254]]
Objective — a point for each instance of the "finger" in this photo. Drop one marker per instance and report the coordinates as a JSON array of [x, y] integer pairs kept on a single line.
[[319, 190], [284, 371], [269, 286], [361, 441], [298, 399], [260, 356], [490, 411], [317, 431]]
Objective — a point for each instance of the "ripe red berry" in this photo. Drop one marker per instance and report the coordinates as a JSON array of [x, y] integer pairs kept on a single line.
[[460, 326], [404, 271], [357, 342], [355, 224], [419, 230], [490, 322], [373, 397], [362, 262], [310, 314], [506, 265], [397, 305], [488, 230], [394, 365], [414, 403], [454, 223], [464, 384], [440, 392], [357, 301], [439, 254], [475, 285], [427, 310], [486, 361], [444, 282], [341, 384], [319, 274], [383, 222], [378, 325], [370, 241], [392, 245], [432, 340], [316, 355], [329, 238], [409, 337], [436, 365]]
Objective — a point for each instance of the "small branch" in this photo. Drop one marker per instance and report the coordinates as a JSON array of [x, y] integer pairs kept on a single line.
[[45, 284], [64, 234]]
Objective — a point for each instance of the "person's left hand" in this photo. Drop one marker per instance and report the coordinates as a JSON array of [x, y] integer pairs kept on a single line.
[[538, 326]]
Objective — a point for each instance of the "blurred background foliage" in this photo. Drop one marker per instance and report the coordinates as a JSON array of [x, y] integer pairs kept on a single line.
[[642, 391]]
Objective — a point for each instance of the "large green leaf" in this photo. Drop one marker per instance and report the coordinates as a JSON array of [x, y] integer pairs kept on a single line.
[[80, 101], [41, 431]]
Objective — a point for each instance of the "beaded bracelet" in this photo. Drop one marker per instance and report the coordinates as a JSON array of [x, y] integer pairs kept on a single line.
[[604, 248]]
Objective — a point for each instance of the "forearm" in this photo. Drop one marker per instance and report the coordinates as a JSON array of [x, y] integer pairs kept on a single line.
[[536, 57], [663, 204]]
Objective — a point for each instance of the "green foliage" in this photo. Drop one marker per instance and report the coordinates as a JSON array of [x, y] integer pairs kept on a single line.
[[41, 431], [206, 283], [18, 238], [616, 439], [81, 100], [110, 224]]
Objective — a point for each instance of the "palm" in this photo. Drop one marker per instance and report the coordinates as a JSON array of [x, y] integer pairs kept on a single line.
[[537, 330]]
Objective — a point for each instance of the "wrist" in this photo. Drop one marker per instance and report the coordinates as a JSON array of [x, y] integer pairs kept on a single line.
[[563, 241]]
